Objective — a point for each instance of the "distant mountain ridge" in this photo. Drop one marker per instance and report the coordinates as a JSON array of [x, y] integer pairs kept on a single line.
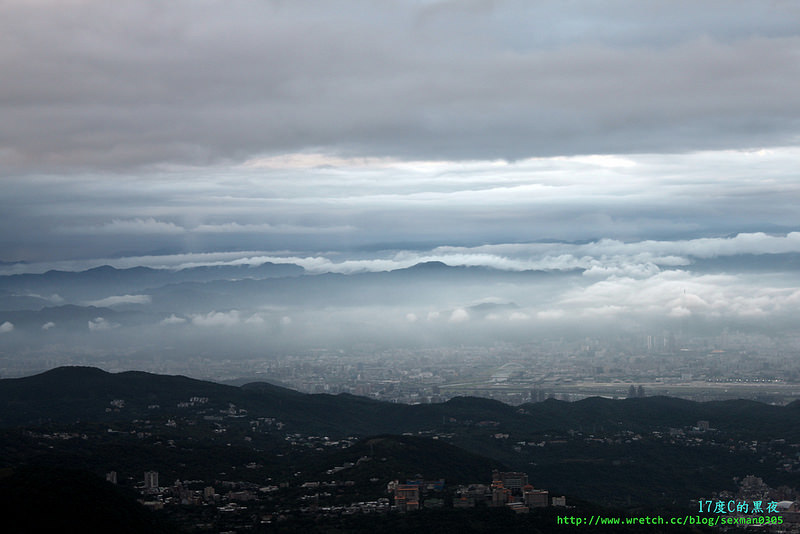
[[106, 280], [283, 281], [143, 296]]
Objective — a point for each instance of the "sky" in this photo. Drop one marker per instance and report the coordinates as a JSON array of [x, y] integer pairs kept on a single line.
[[628, 139]]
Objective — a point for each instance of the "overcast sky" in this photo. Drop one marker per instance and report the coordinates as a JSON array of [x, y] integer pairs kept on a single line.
[[337, 129], [634, 149]]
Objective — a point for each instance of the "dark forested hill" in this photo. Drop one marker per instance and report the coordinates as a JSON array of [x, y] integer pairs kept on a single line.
[[49, 499], [650, 451], [69, 394]]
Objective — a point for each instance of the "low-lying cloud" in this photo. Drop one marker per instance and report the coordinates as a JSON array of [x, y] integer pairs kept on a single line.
[[217, 319], [599, 258], [101, 324], [118, 300], [173, 320]]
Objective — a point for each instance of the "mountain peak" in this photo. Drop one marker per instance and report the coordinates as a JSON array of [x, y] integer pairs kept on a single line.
[[429, 266], [74, 371]]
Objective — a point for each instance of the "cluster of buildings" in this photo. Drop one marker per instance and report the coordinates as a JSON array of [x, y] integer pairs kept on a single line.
[[731, 365], [193, 492], [509, 489], [716, 368]]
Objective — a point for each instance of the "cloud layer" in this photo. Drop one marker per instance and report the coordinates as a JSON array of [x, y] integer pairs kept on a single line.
[[98, 85], [119, 300], [642, 154], [596, 259], [375, 205]]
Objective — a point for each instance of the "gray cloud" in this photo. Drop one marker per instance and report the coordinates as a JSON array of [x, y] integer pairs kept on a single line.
[[306, 205], [627, 141], [152, 226], [98, 85], [130, 226]]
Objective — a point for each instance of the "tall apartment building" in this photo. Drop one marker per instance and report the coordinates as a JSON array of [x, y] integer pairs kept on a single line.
[[150, 480], [511, 480]]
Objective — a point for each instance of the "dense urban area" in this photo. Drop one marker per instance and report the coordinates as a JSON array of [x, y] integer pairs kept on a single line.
[[728, 366]]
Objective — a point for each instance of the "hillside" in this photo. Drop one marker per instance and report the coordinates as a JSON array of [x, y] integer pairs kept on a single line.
[[50, 499], [635, 452], [69, 394]]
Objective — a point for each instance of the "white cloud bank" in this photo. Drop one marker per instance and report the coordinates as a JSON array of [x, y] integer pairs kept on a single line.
[[100, 324], [118, 300], [217, 319], [600, 259], [680, 294], [173, 320]]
